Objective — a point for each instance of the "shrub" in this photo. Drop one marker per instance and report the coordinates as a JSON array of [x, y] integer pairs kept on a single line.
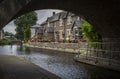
[[5, 42]]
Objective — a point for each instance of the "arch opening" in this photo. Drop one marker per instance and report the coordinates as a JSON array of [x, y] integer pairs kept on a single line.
[[101, 14], [61, 34]]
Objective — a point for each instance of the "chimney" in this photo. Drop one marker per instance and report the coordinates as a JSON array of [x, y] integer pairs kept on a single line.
[[53, 13]]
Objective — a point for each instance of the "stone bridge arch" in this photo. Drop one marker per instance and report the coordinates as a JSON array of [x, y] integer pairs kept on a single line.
[[102, 14]]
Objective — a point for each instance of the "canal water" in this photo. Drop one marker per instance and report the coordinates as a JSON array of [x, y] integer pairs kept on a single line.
[[61, 64]]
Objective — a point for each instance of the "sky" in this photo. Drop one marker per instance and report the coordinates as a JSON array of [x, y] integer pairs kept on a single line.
[[41, 15]]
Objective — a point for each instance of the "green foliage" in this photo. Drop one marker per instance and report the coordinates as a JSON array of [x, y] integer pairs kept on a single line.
[[90, 33], [28, 19], [65, 41], [5, 42], [27, 33], [23, 24]]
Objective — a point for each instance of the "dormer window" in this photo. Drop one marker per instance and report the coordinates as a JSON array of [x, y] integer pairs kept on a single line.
[[69, 20], [61, 22]]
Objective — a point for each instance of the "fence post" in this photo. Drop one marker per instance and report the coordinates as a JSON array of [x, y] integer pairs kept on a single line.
[[87, 50]]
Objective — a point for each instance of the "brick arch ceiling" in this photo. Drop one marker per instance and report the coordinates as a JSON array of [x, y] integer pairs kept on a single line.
[[104, 15]]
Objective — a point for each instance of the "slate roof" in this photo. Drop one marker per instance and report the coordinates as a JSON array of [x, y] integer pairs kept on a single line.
[[35, 26], [57, 17], [78, 24], [53, 18], [63, 14], [43, 23]]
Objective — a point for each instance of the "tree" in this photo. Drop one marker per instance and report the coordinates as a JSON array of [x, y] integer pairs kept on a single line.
[[23, 24], [90, 32], [27, 32]]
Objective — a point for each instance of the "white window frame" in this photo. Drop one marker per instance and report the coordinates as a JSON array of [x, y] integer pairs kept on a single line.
[[61, 22], [60, 33], [69, 20], [48, 24], [68, 32]]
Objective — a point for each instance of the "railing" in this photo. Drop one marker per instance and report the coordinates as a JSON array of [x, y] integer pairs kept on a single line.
[[107, 53]]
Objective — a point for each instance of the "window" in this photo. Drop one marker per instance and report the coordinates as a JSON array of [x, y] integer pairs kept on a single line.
[[48, 24], [76, 31], [60, 33], [68, 32], [69, 20], [61, 22], [45, 31]]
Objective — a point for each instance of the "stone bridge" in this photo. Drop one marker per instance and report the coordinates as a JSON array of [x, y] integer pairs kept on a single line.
[[104, 15]]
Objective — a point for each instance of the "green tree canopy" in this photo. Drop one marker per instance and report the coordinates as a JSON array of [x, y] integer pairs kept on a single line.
[[23, 24], [90, 32], [27, 32]]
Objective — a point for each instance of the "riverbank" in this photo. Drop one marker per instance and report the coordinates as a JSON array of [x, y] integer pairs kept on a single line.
[[49, 49], [91, 60], [13, 67]]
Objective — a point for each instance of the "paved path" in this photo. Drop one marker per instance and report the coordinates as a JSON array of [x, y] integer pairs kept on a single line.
[[12, 67]]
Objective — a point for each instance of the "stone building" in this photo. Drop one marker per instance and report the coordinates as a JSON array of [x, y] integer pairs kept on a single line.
[[62, 26]]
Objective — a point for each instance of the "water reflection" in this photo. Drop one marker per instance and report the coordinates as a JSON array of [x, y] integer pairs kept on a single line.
[[22, 50], [61, 64]]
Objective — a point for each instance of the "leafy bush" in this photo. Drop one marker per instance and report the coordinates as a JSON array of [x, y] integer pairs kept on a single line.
[[5, 42], [90, 33]]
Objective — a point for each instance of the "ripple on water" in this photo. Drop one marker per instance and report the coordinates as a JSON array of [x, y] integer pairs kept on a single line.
[[64, 70]]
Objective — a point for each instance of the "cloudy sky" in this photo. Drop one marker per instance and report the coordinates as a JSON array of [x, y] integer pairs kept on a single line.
[[41, 14]]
